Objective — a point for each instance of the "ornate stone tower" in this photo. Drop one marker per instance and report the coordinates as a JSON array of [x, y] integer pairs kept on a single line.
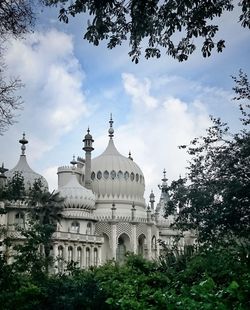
[[88, 140]]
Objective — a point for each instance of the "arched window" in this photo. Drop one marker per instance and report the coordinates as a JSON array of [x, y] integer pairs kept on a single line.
[[79, 257], [126, 175], [95, 257], [60, 258], [137, 177], [132, 176], [89, 228], [92, 176], [70, 254], [141, 243], [120, 175], [19, 219], [123, 245], [113, 174], [106, 174], [87, 257], [99, 175], [75, 227], [121, 250]]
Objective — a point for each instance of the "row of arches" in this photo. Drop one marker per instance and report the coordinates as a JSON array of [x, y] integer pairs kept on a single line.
[[125, 245], [75, 228], [84, 257], [117, 175]]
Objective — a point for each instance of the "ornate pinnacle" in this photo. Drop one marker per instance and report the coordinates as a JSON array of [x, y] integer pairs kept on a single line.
[[73, 162], [23, 141], [111, 129]]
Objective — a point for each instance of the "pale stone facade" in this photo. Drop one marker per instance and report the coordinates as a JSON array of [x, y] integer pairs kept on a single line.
[[105, 213]]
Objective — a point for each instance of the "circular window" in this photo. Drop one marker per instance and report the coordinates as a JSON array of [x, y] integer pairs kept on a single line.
[[92, 176], [99, 175], [120, 175], [132, 176], [113, 174], [126, 175], [106, 174]]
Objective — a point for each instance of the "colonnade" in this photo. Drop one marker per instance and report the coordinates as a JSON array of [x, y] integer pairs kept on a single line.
[[85, 255]]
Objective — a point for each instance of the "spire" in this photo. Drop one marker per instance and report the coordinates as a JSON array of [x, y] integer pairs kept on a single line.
[[3, 170], [111, 129], [23, 141], [73, 162]]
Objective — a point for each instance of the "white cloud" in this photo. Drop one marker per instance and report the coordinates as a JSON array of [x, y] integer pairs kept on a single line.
[[53, 96], [139, 91], [50, 175], [154, 134]]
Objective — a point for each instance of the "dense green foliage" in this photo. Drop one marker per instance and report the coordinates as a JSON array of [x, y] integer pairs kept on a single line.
[[213, 279], [168, 26]]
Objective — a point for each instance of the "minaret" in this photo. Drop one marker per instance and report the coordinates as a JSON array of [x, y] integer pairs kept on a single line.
[[152, 200], [88, 140], [3, 177]]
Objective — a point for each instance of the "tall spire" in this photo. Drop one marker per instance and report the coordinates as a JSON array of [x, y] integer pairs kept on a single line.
[[88, 148], [164, 176], [111, 129], [23, 141]]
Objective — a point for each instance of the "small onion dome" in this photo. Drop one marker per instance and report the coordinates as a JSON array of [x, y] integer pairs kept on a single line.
[[115, 176], [77, 196], [28, 174], [24, 169]]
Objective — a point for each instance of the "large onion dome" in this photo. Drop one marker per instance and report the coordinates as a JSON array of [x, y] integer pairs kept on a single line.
[[29, 175], [116, 177], [76, 196]]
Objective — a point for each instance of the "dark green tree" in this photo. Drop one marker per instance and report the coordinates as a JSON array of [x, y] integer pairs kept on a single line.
[[14, 189], [214, 197], [168, 26]]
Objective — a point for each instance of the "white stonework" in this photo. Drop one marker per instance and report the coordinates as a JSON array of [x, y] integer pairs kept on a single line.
[[105, 213]]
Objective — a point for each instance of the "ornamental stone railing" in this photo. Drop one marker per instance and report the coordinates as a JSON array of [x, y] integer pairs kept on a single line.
[[68, 236]]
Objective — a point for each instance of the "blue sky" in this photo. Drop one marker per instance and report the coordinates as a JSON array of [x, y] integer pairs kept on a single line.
[[156, 104]]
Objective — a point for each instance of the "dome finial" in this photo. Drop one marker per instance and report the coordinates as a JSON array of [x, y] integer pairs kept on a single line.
[[2, 169], [164, 175], [111, 129], [23, 141], [73, 162], [129, 155]]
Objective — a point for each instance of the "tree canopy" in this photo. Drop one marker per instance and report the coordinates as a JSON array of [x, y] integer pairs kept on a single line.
[[214, 197], [154, 27]]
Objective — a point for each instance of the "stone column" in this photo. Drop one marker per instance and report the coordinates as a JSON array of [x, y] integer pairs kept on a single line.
[[83, 261], [74, 253], [149, 241], [99, 253], [66, 253], [157, 244], [134, 240], [55, 256], [113, 240]]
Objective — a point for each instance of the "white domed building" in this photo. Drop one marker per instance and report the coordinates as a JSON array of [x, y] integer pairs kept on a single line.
[[104, 210]]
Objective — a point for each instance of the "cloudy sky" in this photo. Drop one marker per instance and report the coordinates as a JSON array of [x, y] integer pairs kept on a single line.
[[156, 104]]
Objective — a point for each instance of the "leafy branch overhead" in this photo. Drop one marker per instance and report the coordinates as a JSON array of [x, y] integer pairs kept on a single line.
[[153, 26]]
